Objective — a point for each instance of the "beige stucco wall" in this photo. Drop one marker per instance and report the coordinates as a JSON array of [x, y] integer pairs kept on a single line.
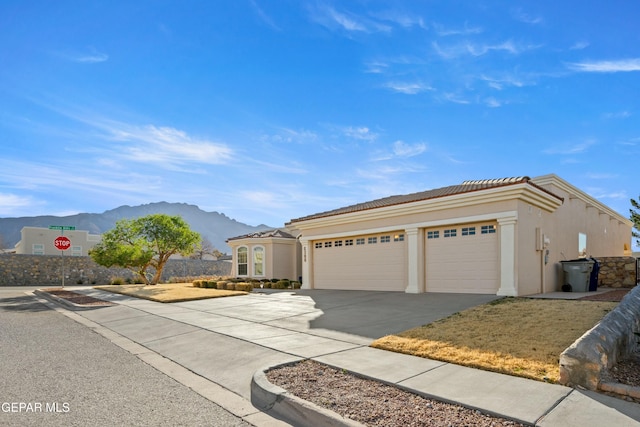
[[280, 257], [608, 233], [284, 262], [530, 223], [31, 236]]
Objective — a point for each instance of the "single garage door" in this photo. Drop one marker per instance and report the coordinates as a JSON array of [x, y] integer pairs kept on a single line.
[[372, 263], [463, 259]]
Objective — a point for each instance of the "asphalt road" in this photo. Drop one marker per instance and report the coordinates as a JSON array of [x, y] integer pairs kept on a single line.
[[55, 372]]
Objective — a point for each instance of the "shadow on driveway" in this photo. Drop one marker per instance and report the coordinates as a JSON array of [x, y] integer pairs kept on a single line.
[[376, 314]]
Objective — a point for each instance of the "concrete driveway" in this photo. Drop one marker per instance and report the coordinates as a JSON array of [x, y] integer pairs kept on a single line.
[[366, 314]]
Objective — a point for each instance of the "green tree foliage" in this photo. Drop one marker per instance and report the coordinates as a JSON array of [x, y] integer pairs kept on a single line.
[[144, 243], [635, 218]]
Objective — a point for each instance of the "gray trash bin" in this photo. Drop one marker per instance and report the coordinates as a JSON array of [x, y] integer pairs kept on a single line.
[[577, 275]]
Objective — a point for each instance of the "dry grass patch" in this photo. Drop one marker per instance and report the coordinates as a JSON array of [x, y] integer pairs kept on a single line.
[[169, 292], [516, 336]]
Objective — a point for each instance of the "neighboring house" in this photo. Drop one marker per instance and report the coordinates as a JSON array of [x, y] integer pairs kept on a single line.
[[270, 254], [502, 236], [39, 241]]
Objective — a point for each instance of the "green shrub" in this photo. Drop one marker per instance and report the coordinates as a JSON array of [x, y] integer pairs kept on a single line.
[[221, 284], [212, 284], [275, 280], [296, 285], [281, 284], [243, 286], [197, 283], [231, 286]]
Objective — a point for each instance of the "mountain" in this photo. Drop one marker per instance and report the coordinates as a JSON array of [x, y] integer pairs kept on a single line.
[[214, 226]]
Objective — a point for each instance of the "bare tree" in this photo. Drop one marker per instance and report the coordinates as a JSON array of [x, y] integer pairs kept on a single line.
[[206, 248]]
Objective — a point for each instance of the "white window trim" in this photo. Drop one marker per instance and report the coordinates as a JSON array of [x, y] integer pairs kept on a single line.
[[238, 261], [253, 265]]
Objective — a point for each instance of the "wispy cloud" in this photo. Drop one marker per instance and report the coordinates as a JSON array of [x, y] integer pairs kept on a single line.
[[409, 88], [398, 150], [578, 148], [500, 83], [527, 18], [11, 203], [376, 67], [402, 149], [492, 102], [479, 49], [602, 175], [600, 193], [361, 133], [263, 16], [333, 19], [617, 115], [288, 135], [466, 30], [79, 176], [402, 19], [455, 98], [622, 65], [91, 57], [166, 146], [580, 45]]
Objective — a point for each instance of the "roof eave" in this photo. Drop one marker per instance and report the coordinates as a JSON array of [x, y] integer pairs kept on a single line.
[[531, 194]]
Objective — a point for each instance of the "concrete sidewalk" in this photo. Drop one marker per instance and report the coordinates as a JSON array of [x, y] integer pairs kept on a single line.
[[215, 346]]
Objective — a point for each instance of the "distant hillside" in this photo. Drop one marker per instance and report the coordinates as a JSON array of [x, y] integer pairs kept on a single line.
[[214, 226]]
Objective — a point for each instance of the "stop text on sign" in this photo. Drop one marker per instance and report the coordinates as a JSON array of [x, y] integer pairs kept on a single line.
[[62, 243]]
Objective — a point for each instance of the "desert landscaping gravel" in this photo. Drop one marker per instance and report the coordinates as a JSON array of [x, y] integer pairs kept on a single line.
[[373, 403]]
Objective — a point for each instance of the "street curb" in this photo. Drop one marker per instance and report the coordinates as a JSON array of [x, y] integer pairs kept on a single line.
[[210, 390], [621, 389], [65, 303], [283, 405]]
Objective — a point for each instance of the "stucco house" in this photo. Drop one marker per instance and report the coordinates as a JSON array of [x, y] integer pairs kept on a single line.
[[500, 236], [266, 254], [39, 241]]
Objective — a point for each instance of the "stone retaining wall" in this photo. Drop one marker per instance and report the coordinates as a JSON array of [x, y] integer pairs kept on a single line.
[[617, 272], [45, 270], [599, 349]]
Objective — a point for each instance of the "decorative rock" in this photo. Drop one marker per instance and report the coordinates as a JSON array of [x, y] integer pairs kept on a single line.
[[583, 363]]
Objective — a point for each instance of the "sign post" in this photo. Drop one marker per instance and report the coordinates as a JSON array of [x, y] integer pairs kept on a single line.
[[62, 243]]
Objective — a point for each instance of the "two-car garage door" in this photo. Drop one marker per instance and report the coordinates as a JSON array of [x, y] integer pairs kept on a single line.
[[458, 259], [462, 259]]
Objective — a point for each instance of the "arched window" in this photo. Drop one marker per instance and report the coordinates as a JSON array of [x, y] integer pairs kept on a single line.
[[258, 261], [242, 261]]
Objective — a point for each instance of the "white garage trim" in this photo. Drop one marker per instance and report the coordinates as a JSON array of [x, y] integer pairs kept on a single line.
[[508, 256]]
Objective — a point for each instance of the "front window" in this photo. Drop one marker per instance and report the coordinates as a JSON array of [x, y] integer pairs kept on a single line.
[[242, 261], [258, 261]]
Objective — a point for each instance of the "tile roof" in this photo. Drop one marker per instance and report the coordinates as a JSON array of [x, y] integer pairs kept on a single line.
[[465, 187], [276, 232]]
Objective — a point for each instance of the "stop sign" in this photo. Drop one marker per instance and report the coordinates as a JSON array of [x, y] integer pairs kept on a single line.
[[62, 243]]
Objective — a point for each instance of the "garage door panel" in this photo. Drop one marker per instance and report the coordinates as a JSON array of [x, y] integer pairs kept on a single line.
[[378, 266], [462, 264]]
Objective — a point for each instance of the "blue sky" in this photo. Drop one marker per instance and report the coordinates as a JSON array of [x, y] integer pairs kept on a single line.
[[272, 110]]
